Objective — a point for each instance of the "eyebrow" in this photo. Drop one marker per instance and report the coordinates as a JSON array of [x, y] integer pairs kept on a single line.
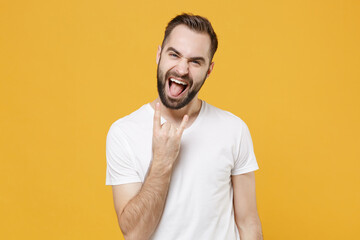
[[178, 53]]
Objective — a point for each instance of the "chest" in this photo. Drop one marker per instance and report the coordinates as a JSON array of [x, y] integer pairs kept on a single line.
[[204, 156]]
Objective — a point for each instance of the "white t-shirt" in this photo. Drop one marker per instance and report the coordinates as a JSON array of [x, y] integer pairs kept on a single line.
[[199, 204]]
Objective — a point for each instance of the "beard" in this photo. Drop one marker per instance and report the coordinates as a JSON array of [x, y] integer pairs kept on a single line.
[[176, 103]]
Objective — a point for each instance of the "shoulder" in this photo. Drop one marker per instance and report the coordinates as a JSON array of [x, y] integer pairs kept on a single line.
[[222, 116], [137, 120]]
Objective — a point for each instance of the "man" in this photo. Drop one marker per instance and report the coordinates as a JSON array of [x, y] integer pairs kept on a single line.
[[179, 167]]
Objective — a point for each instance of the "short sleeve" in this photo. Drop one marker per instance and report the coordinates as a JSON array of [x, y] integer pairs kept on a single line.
[[120, 167], [246, 160]]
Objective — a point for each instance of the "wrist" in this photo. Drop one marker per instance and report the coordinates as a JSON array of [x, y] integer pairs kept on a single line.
[[161, 167]]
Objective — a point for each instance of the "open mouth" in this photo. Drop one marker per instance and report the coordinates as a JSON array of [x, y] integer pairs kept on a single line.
[[177, 87]]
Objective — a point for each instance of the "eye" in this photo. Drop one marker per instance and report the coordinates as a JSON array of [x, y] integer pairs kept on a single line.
[[173, 55], [196, 62]]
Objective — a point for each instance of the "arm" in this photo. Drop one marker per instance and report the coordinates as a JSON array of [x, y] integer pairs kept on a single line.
[[139, 207], [246, 215]]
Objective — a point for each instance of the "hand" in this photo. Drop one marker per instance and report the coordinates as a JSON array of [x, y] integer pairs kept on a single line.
[[166, 139]]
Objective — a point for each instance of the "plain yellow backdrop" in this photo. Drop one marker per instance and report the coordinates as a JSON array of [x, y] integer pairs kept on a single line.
[[68, 69]]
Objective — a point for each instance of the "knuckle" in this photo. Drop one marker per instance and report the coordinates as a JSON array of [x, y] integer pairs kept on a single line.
[[164, 135]]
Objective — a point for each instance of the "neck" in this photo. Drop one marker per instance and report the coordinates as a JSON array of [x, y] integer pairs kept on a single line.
[[175, 115]]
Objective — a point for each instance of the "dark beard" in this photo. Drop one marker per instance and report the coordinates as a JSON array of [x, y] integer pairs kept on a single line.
[[176, 104]]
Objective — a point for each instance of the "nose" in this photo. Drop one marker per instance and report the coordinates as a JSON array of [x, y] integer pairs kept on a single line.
[[182, 67]]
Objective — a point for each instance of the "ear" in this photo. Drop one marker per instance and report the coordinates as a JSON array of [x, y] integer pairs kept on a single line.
[[158, 54], [211, 67]]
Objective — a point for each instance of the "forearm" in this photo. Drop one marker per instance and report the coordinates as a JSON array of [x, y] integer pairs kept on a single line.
[[250, 229], [142, 214]]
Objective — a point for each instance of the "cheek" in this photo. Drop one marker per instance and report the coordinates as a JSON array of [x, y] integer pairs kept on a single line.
[[165, 67], [166, 62], [198, 75]]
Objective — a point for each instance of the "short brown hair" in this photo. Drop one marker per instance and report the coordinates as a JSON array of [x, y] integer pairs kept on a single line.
[[196, 23]]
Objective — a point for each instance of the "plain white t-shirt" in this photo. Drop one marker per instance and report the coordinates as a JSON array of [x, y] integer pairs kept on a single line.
[[199, 204]]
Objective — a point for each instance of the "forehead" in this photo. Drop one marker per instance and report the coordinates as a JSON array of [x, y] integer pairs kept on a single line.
[[188, 42]]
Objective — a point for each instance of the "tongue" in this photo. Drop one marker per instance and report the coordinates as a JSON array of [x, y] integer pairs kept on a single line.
[[176, 89]]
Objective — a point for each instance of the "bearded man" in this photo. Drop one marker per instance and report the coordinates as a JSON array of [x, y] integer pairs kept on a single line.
[[179, 167]]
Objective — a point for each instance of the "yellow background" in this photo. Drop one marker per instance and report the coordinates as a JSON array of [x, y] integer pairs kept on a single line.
[[68, 69]]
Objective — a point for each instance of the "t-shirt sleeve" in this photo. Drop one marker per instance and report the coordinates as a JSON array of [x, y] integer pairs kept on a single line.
[[246, 160], [120, 167]]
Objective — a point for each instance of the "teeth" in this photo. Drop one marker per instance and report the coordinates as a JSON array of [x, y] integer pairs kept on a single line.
[[177, 81]]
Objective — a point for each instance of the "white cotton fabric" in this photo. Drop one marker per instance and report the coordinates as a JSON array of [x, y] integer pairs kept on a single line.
[[199, 204]]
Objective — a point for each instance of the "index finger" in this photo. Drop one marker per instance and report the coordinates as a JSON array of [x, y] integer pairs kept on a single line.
[[184, 121], [157, 117]]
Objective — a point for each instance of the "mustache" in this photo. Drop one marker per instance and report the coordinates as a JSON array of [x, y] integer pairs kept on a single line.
[[184, 77]]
